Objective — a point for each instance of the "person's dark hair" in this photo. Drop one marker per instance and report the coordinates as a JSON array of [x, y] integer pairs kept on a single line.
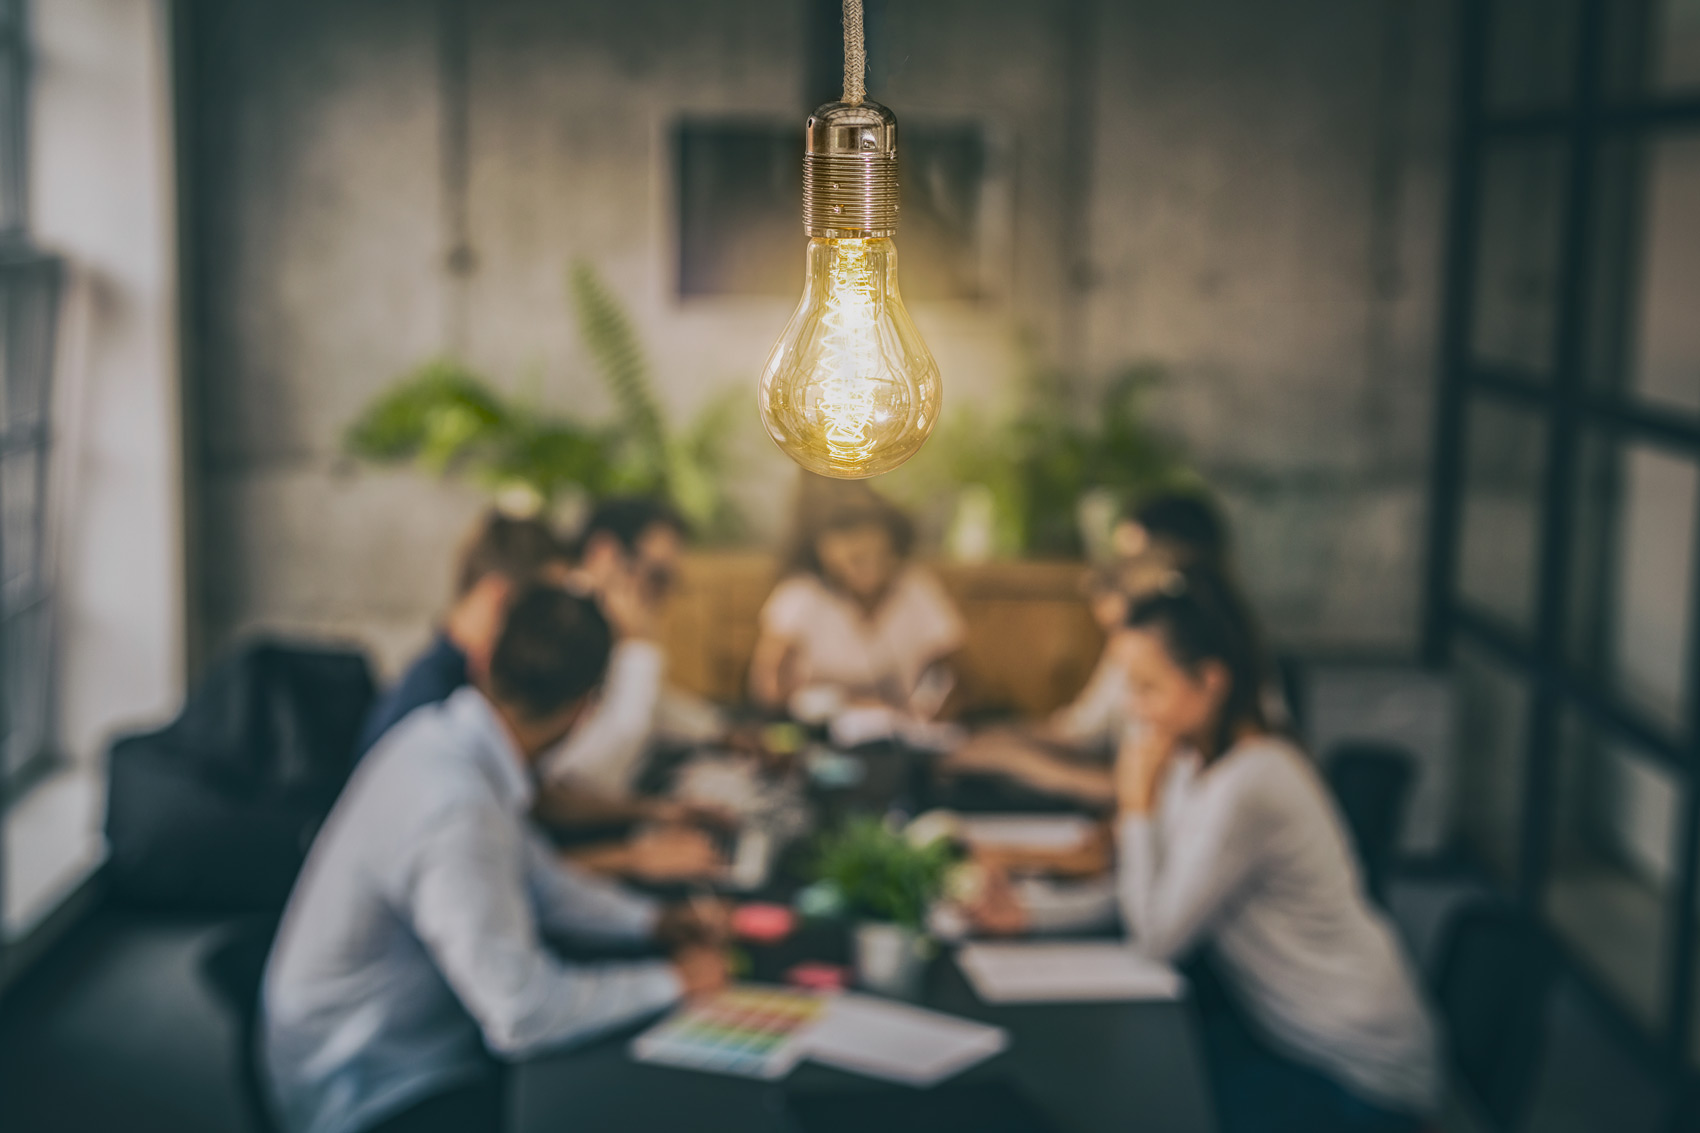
[[1200, 617], [825, 505], [1190, 525], [516, 549], [627, 518], [553, 650]]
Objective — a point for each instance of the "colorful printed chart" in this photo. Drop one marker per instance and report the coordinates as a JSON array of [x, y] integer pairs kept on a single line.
[[753, 1031]]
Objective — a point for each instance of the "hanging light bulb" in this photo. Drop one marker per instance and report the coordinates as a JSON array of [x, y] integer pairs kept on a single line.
[[850, 390]]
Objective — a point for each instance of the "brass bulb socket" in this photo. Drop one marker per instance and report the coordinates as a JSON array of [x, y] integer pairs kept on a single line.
[[850, 172]]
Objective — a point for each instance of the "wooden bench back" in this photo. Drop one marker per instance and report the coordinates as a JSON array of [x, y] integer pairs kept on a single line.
[[1031, 640]]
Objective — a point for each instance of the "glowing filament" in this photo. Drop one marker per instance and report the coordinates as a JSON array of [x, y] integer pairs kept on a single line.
[[850, 353], [850, 389]]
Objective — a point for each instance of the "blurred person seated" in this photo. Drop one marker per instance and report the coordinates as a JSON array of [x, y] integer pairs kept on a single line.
[[628, 559], [853, 621], [413, 942], [1069, 754], [1186, 525], [1229, 845], [502, 555]]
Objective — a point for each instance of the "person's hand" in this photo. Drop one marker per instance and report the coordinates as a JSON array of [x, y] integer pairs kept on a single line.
[[679, 812], [1090, 858], [674, 853], [774, 746], [987, 753], [704, 921], [702, 970], [998, 910], [1139, 769], [630, 607]]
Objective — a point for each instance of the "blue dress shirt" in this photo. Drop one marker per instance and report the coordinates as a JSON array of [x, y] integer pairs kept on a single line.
[[411, 943], [432, 677]]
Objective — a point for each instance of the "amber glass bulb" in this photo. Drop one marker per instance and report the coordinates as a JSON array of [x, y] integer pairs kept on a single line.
[[850, 389]]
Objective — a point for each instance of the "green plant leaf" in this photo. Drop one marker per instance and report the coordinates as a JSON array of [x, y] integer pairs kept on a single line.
[[447, 419], [436, 414], [881, 875], [619, 358]]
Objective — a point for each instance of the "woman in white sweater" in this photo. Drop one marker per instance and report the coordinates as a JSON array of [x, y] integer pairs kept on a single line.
[[1229, 845]]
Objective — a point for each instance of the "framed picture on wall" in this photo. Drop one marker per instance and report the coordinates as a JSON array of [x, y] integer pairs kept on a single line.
[[739, 192]]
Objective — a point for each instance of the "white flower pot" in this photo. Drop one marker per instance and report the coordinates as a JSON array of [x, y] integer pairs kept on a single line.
[[890, 959]]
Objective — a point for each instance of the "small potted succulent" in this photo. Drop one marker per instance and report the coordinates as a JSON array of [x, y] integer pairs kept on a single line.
[[887, 881]]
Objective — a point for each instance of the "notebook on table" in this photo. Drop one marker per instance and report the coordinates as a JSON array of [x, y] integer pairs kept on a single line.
[[762, 1032], [898, 1042], [1076, 971], [749, 1031]]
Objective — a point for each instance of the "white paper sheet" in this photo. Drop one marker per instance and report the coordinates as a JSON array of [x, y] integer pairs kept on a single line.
[[856, 726], [899, 1043], [1027, 831], [1065, 972]]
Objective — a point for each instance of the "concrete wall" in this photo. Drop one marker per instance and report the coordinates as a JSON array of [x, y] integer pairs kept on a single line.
[[1267, 221], [1247, 193]]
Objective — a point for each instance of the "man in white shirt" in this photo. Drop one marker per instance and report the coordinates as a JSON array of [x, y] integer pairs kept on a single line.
[[628, 557], [501, 556], [413, 943]]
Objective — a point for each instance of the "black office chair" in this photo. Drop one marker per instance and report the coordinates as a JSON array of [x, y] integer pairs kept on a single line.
[[1372, 783], [1493, 980], [234, 966]]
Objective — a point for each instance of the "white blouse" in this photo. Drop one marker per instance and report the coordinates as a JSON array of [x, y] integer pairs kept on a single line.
[[837, 643], [1251, 855], [1096, 718]]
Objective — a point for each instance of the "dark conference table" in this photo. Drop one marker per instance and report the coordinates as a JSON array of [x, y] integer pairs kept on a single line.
[[1085, 1067]]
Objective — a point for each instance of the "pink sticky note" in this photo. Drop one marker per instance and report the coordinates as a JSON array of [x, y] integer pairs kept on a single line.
[[818, 977], [764, 924]]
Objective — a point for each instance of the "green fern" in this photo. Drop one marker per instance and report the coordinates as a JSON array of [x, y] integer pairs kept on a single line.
[[613, 345], [436, 415], [447, 420], [1037, 462], [880, 874], [688, 467]]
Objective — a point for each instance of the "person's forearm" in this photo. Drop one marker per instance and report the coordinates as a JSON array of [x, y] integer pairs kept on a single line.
[[1090, 859], [1134, 804], [1137, 884], [765, 687], [610, 859], [576, 805], [571, 1004], [479, 896], [772, 671], [1056, 776], [574, 899]]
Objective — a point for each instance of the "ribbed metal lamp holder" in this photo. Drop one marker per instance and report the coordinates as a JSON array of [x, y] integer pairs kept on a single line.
[[850, 171]]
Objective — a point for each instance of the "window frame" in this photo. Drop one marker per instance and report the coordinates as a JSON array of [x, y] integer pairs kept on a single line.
[[1591, 117]]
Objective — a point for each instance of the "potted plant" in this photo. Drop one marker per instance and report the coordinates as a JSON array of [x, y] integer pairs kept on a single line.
[[886, 882], [1049, 477], [448, 419]]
